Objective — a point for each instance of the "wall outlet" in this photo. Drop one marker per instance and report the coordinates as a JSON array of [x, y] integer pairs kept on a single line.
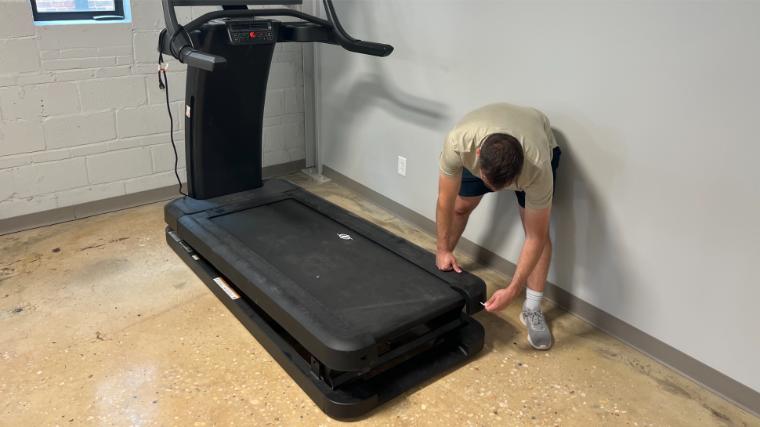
[[402, 166]]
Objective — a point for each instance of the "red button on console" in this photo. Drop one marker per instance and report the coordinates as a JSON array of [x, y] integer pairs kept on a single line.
[[252, 35]]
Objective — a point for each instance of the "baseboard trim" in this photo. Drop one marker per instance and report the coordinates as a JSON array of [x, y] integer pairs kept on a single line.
[[728, 388], [71, 213], [283, 169]]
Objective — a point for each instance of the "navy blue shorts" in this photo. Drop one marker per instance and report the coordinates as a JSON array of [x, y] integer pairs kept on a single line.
[[472, 186]]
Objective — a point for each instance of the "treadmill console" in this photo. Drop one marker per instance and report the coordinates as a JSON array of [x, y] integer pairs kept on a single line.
[[250, 31]]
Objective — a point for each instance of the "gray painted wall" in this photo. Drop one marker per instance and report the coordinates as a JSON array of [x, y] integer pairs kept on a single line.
[[656, 104]]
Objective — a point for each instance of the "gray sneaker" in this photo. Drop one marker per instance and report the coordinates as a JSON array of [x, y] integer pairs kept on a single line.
[[539, 335]]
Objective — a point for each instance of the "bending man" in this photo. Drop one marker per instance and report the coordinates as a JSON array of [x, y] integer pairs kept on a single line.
[[502, 147]]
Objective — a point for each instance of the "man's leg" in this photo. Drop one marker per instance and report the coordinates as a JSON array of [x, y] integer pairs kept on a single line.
[[539, 335], [537, 279], [463, 207]]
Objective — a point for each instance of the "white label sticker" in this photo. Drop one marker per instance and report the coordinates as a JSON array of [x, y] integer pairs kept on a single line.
[[187, 111], [226, 288]]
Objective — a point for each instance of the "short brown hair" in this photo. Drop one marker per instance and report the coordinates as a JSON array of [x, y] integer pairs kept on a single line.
[[501, 159]]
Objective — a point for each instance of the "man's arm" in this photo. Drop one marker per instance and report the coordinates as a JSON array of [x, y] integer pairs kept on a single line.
[[536, 234], [448, 188]]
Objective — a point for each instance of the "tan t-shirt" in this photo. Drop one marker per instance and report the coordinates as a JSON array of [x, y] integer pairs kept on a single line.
[[527, 125]]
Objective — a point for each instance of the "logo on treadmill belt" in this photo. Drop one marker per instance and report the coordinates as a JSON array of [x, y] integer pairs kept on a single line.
[[345, 236]]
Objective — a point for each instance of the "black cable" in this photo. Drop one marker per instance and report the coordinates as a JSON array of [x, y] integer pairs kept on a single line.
[[163, 84]]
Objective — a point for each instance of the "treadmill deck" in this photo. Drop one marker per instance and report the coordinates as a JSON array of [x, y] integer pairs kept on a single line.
[[362, 283], [347, 290]]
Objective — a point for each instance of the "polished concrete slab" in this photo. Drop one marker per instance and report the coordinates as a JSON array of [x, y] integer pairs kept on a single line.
[[101, 324]]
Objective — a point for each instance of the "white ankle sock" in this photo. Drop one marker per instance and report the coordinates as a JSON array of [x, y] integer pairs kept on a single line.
[[532, 300]]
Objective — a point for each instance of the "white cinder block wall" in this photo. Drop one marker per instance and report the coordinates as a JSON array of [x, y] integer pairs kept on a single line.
[[82, 117]]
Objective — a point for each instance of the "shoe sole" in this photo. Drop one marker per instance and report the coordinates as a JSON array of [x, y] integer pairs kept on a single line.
[[542, 348]]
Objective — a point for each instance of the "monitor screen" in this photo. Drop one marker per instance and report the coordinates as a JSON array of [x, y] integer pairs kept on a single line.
[[232, 2], [75, 5]]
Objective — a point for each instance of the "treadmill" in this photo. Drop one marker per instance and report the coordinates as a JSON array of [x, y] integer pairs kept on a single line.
[[354, 314]]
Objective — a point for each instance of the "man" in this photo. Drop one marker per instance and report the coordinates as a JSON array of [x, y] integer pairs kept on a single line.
[[502, 147]]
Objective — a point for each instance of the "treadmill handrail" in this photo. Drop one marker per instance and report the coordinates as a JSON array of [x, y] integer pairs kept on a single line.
[[349, 43], [176, 40]]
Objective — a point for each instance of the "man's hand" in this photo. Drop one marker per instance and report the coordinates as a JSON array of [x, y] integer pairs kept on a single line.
[[502, 298], [445, 261]]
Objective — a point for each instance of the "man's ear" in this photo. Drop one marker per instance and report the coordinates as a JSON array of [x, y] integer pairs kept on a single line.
[[477, 152]]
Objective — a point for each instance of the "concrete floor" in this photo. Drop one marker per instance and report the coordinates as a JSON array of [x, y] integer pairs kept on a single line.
[[101, 324]]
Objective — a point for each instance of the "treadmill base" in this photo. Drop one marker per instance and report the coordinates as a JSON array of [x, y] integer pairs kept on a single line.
[[354, 399]]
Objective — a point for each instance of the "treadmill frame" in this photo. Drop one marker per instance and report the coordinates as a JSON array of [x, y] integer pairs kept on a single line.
[[359, 398], [344, 383], [345, 374]]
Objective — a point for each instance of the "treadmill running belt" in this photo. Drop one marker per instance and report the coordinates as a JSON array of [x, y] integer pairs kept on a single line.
[[364, 283]]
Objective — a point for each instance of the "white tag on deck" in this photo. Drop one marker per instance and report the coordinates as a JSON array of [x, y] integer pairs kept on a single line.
[[226, 288]]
